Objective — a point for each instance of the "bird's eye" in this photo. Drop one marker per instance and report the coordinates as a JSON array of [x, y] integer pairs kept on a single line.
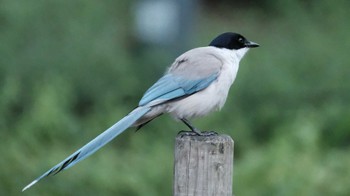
[[240, 40]]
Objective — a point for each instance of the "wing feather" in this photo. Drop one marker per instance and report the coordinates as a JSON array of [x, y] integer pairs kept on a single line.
[[191, 72]]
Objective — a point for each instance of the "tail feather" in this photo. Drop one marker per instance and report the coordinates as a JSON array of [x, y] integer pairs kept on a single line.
[[95, 144]]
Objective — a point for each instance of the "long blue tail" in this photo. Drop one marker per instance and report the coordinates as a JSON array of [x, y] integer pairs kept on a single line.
[[95, 144]]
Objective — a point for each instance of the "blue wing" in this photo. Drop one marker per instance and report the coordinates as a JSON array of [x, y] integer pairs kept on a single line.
[[173, 86]]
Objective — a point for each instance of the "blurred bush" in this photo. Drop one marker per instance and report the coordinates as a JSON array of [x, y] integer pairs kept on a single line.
[[68, 70]]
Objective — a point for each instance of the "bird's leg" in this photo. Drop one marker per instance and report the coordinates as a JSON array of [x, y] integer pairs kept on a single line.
[[189, 125], [194, 130]]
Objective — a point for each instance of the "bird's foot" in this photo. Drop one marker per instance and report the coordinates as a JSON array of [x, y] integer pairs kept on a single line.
[[197, 133], [209, 133], [194, 131]]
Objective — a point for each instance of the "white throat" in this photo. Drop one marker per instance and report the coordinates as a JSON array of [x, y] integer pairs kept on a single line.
[[241, 52]]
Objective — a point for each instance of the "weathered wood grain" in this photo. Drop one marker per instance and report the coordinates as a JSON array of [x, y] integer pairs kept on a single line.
[[203, 166]]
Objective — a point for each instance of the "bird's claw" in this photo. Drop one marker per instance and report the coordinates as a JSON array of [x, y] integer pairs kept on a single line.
[[192, 133], [209, 133]]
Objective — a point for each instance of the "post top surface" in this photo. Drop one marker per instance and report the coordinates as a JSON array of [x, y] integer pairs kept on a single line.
[[216, 138]]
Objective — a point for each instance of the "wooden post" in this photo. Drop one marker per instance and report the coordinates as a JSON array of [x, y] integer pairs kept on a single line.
[[203, 166]]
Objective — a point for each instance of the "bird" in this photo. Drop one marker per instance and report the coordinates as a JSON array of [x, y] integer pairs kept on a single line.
[[195, 84]]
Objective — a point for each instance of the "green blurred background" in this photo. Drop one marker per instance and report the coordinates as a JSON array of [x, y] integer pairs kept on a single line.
[[70, 69]]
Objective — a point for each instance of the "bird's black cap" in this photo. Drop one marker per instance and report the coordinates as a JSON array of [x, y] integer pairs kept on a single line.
[[231, 41]]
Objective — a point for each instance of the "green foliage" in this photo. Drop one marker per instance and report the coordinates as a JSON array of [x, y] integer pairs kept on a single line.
[[69, 70]]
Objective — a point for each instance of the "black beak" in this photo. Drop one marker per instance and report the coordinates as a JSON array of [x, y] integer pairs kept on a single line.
[[250, 44]]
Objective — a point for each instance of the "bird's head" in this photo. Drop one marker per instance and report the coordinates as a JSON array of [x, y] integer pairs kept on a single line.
[[235, 42], [232, 41]]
